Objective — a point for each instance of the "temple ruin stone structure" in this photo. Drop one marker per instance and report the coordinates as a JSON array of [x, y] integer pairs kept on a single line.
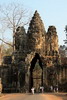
[[36, 60]]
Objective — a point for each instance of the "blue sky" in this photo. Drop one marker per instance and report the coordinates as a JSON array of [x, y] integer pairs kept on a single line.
[[52, 12]]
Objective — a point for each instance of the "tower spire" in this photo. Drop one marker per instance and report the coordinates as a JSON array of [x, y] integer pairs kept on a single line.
[[36, 32]]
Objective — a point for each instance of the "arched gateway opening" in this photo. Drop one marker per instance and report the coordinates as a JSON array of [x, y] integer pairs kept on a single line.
[[36, 73]]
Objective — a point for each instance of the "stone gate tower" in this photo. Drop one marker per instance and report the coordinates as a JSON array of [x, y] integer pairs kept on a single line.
[[37, 52]]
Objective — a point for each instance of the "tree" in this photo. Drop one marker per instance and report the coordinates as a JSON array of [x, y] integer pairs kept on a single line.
[[65, 29], [66, 33], [12, 16], [65, 41], [6, 42]]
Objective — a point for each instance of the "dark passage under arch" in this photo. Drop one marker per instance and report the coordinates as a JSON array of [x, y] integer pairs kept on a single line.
[[36, 75]]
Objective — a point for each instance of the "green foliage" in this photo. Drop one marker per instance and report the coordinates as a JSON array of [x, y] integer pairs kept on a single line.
[[66, 28]]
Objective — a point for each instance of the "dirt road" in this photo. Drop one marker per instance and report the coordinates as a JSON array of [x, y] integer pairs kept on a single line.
[[31, 97]]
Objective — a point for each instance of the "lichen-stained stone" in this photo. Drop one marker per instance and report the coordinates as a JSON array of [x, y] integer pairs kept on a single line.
[[35, 60], [36, 45], [52, 41], [36, 34], [20, 39]]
